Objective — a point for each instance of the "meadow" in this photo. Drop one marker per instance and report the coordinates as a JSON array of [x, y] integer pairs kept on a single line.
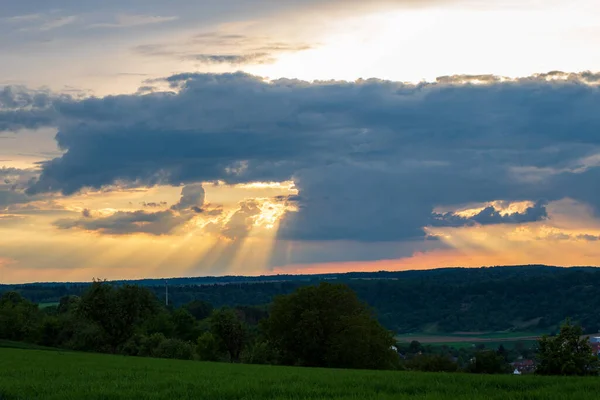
[[40, 374], [459, 340]]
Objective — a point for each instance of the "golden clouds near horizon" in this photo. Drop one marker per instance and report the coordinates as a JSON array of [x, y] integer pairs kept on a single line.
[[101, 234], [236, 233]]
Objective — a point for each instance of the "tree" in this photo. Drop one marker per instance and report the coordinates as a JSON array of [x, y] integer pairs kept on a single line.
[[117, 311], [502, 352], [488, 362], [185, 324], [328, 326], [207, 348], [432, 363], [68, 304], [415, 347], [566, 353], [260, 352], [199, 309], [19, 318], [227, 327]]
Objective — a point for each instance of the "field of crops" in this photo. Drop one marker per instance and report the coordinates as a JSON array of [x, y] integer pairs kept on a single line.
[[37, 374]]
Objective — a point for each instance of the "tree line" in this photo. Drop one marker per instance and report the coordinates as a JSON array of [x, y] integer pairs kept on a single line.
[[475, 299], [319, 326], [324, 325]]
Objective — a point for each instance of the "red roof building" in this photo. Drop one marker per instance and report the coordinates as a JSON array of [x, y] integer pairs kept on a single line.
[[524, 366]]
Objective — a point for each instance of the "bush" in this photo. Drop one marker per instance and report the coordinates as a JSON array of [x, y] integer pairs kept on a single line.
[[488, 362], [175, 348], [208, 347], [259, 353], [89, 337], [431, 363]]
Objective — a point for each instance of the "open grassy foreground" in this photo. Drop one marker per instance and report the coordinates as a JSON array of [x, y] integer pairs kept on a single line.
[[37, 374]]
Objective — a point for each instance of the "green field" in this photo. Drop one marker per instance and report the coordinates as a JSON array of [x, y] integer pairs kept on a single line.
[[36, 374], [459, 340], [22, 345]]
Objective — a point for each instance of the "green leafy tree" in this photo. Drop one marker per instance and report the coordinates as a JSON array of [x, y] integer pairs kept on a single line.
[[328, 326], [68, 304], [502, 352], [432, 363], [199, 309], [208, 347], [261, 352], [117, 311], [161, 322], [19, 318], [488, 362], [226, 325], [184, 324], [567, 353], [175, 348], [415, 347]]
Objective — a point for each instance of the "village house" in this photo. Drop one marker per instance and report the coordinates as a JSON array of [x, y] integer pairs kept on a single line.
[[523, 366]]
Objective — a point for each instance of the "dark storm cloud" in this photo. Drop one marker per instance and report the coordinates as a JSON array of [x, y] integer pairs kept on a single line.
[[13, 182], [23, 108], [490, 216], [371, 159]]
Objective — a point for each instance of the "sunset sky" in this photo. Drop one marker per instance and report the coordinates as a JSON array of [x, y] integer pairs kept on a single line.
[[144, 138]]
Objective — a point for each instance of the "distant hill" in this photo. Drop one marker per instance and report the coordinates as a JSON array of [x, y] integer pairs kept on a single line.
[[533, 297]]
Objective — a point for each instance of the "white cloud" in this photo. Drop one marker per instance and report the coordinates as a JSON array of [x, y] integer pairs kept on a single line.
[[24, 18], [129, 20], [49, 23]]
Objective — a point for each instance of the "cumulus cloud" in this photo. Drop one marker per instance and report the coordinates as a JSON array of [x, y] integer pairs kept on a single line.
[[154, 223], [489, 216], [125, 222], [192, 197], [240, 223], [371, 159]]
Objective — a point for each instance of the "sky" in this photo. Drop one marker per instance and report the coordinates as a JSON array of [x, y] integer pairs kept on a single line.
[[143, 138]]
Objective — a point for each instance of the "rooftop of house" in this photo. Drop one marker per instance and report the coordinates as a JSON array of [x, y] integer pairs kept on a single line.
[[523, 363]]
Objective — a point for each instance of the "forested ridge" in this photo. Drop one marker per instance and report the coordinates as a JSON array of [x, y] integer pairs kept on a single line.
[[441, 300]]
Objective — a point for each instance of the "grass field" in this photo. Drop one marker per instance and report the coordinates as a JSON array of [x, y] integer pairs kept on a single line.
[[23, 345], [458, 340], [36, 374]]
